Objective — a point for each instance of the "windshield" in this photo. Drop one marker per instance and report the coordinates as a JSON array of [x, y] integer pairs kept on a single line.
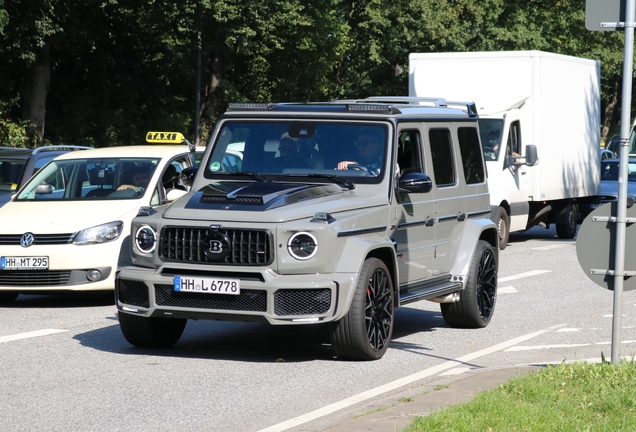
[[299, 148], [490, 134], [610, 170], [11, 173], [91, 179]]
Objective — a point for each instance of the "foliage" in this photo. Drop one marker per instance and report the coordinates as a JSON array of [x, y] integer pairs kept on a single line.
[[122, 67], [567, 397]]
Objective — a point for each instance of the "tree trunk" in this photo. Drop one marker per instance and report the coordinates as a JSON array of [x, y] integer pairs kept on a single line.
[[211, 93], [38, 88], [610, 109]]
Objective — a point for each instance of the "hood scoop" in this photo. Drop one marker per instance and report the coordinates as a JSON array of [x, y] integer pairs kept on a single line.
[[257, 196]]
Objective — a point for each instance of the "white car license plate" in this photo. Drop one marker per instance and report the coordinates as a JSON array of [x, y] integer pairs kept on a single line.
[[207, 285], [24, 263]]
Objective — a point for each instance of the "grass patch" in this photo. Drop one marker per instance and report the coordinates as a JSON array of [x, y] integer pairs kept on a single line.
[[567, 397]]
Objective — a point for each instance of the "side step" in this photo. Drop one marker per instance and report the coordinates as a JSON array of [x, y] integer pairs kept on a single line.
[[428, 291]]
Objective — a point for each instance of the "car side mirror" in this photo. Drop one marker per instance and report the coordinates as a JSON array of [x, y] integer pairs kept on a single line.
[[531, 155], [415, 182], [44, 189], [187, 176]]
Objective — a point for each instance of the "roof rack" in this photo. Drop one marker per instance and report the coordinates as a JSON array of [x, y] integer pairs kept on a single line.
[[471, 107], [60, 147]]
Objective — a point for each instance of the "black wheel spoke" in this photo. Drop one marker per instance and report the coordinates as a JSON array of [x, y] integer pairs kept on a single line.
[[378, 310]]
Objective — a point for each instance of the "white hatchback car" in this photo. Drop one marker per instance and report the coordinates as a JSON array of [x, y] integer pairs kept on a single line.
[[64, 230]]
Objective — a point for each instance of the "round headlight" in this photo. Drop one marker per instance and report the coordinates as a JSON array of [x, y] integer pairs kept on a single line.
[[302, 246], [145, 239]]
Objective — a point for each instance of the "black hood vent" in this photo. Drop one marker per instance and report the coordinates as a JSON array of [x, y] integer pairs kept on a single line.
[[258, 196]]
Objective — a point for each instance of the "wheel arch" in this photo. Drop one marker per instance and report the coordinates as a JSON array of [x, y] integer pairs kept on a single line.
[[458, 261], [387, 255]]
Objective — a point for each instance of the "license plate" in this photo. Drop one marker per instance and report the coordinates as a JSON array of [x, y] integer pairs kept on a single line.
[[24, 263], [207, 285]]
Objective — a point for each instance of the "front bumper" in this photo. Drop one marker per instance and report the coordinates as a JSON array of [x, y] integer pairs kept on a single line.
[[265, 296], [68, 269]]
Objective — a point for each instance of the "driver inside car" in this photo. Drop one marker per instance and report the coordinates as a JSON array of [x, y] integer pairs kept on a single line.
[[369, 147]]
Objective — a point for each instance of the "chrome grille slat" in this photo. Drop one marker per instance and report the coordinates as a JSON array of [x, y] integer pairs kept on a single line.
[[38, 239]]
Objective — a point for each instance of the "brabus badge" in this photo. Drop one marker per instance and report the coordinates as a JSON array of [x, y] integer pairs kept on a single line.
[[26, 240], [217, 246]]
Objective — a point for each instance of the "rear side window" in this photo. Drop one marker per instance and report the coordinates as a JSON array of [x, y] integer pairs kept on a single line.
[[471, 155], [442, 154]]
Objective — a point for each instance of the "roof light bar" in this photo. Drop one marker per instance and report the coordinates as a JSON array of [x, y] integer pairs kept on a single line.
[[249, 106], [368, 107]]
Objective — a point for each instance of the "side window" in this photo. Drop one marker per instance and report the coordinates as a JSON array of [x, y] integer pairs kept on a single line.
[[471, 155], [408, 155], [513, 146], [442, 154]]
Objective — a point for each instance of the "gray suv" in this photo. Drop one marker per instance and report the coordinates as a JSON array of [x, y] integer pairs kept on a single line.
[[324, 213]]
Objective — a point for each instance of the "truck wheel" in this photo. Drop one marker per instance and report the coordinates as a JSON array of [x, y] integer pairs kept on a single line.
[[502, 220], [568, 230], [477, 301], [7, 297], [364, 333], [151, 332]]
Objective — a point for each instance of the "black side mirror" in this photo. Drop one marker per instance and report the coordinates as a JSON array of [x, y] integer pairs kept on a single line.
[[187, 176], [416, 182], [531, 155]]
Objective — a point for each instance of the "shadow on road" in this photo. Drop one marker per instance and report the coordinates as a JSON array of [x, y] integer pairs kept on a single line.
[[63, 300], [254, 342]]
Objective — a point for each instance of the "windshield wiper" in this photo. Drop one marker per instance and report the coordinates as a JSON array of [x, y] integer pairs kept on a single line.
[[334, 178], [252, 175]]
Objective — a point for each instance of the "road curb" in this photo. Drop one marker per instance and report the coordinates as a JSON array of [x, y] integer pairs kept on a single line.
[[396, 411]]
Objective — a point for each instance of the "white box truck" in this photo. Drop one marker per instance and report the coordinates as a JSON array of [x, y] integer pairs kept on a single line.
[[539, 127]]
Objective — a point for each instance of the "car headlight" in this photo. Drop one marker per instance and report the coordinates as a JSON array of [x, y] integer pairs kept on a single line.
[[302, 246], [99, 234], [145, 239]]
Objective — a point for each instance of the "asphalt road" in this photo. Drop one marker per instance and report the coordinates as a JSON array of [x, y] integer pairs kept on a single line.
[[65, 365]]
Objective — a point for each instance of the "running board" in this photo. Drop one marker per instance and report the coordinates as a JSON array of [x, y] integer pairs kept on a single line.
[[427, 293]]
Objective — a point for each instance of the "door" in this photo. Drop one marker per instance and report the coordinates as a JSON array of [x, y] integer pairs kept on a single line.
[[416, 225]]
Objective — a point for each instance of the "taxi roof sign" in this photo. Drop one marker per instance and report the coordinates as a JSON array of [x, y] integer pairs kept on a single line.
[[165, 137]]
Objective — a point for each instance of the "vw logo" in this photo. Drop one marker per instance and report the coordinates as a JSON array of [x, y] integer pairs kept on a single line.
[[26, 240]]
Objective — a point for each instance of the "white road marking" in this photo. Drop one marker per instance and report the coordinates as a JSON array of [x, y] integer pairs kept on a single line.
[[540, 347], [523, 275], [506, 290], [361, 397], [568, 330], [609, 343], [27, 335], [554, 246]]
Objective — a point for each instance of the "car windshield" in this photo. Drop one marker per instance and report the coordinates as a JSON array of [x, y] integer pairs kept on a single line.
[[490, 134], [610, 170], [259, 150], [11, 173], [91, 179]]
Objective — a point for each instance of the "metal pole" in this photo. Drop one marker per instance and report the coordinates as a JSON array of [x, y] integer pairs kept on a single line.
[[621, 217], [197, 113]]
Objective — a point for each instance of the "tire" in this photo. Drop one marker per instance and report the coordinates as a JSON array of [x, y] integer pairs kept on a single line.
[[365, 332], [151, 332], [476, 303], [502, 220], [7, 297], [568, 230]]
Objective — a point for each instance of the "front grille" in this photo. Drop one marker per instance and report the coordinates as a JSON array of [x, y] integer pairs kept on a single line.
[[246, 247], [248, 300], [302, 301], [133, 292], [35, 278], [38, 239]]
